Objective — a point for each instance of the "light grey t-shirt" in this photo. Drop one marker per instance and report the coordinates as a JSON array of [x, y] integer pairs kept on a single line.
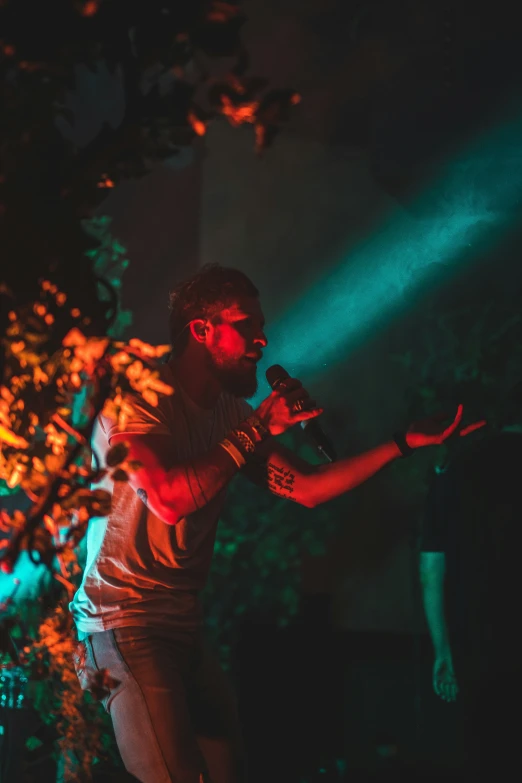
[[139, 570]]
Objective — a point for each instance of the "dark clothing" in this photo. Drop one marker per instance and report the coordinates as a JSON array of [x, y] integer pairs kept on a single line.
[[173, 710], [474, 516]]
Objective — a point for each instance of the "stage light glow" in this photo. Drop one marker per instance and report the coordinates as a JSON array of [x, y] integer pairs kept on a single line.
[[468, 208]]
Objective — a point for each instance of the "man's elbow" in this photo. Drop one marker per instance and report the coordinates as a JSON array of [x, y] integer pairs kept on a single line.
[[167, 512], [172, 519], [171, 515], [309, 489], [308, 498], [167, 515]]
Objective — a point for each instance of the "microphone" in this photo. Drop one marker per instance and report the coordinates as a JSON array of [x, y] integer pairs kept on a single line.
[[274, 375]]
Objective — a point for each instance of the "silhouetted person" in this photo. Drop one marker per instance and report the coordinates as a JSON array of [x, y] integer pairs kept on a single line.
[[471, 582]]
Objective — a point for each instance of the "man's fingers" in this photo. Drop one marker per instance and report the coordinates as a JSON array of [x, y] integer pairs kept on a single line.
[[477, 425], [298, 395], [312, 414], [288, 385], [452, 427]]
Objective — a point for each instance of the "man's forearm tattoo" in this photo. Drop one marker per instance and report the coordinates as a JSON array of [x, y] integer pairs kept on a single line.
[[142, 495], [280, 481]]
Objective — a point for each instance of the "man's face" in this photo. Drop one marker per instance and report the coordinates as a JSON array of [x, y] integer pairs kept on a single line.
[[235, 342]]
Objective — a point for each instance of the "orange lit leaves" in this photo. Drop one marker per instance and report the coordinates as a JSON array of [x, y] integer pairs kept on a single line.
[[150, 351], [87, 351], [221, 13], [241, 103], [90, 8], [198, 126], [34, 463], [101, 683], [6, 436], [238, 114], [105, 182]]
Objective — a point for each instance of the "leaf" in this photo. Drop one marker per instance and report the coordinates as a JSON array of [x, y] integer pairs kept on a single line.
[[43, 544], [33, 743], [67, 555], [151, 397], [198, 125], [117, 454], [53, 463], [101, 683], [74, 338], [119, 475], [154, 383], [101, 502], [13, 440]]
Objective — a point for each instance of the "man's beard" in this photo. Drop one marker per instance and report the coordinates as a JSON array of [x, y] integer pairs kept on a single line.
[[236, 378]]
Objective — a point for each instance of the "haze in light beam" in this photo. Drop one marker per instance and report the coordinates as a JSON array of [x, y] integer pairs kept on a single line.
[[471, 205]]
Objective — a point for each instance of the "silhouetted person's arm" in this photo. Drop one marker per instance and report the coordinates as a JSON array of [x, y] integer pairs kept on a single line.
[[432, 572]]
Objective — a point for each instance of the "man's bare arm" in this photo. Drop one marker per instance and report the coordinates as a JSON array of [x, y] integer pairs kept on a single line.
[[285, 474], [172, 490]]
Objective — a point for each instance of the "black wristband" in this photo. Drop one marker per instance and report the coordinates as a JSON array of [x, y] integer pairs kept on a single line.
[[400, 440]]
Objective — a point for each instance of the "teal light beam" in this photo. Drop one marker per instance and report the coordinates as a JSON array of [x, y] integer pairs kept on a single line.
[[468, 207]]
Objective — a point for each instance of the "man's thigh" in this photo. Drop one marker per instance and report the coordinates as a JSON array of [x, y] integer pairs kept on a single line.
[[148, 706]]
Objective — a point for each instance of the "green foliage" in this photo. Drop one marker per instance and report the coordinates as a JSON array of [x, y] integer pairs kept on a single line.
[[109, 264], [256, 567], [466, 346]]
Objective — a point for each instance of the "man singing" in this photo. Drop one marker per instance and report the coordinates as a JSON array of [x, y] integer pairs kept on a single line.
[[137, 610]]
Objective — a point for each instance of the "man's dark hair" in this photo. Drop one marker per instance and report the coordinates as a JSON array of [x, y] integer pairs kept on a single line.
[[204, 295]]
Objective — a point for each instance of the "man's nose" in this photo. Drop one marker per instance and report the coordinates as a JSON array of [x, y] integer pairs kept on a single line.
[[262, 339]]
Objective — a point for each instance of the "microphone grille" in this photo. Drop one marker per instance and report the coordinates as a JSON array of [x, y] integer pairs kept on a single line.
[[275, 374]]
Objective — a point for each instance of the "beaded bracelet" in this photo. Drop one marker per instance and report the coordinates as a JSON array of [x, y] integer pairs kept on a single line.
[[245, 441]]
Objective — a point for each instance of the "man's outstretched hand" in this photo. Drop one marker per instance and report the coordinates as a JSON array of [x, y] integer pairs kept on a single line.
[[432, 432]]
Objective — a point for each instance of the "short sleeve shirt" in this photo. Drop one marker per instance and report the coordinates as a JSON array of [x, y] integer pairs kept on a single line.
[[139, 570]]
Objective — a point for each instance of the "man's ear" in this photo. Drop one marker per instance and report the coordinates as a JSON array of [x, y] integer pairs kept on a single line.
[[198, 329]]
